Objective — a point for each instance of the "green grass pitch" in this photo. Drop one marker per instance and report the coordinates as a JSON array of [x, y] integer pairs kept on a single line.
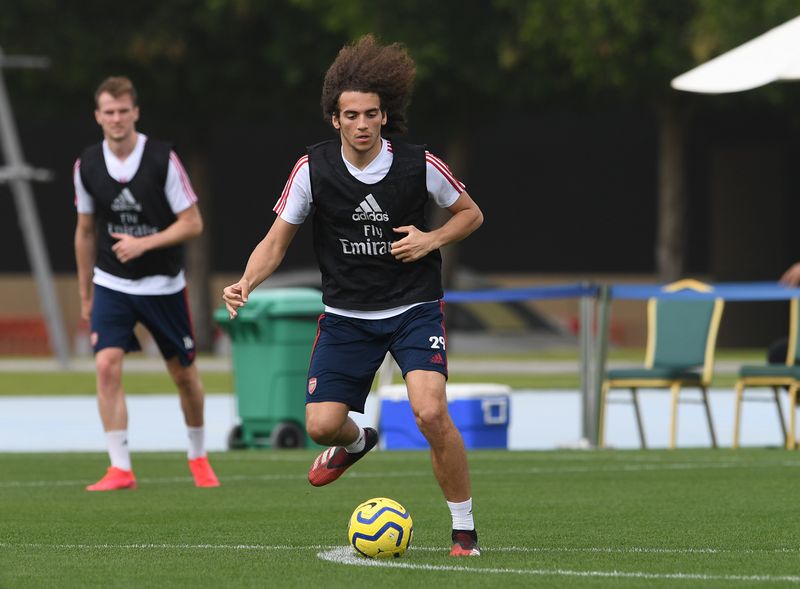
[[622, 519]]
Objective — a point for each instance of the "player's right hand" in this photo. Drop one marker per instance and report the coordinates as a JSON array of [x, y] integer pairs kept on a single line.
[[235, 296]]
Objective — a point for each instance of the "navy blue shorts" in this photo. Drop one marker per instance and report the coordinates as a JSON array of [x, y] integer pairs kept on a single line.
[[348, 352], [166, 317]]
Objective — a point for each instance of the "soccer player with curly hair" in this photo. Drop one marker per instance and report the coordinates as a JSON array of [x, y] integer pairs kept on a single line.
[[380, 266]]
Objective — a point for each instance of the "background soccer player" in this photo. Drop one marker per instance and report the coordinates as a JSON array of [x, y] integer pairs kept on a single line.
[[135, 208]]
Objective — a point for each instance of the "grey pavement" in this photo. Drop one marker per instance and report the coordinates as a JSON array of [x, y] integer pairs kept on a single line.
[[140, 363], [536, 420]]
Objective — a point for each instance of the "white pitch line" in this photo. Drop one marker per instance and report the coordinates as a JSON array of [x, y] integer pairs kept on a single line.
[[349, 557], [645, 550], [517, 549], [253, 547]]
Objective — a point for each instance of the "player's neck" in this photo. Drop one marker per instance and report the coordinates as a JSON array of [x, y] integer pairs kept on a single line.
[[361, 159], [122, 148]]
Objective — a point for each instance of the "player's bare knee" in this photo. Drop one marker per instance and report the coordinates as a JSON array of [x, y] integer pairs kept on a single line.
[[432, 419], [186, 378], [187, 383], [322, 432], [108, 368]]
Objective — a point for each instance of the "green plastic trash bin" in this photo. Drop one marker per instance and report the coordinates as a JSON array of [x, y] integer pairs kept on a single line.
[[271, 343]]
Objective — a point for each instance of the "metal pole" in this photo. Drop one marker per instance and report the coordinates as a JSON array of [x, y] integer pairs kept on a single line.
[[30, 226], [601, 351], [589, 408]]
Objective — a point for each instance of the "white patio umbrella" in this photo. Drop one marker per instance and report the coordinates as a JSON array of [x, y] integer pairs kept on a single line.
[[775, 55]]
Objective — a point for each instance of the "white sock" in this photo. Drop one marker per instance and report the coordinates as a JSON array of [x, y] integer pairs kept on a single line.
[[359, 444], [118, 452], [462, 515], [197, 442]]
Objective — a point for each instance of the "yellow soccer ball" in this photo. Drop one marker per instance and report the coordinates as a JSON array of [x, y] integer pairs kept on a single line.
[[380, 528]]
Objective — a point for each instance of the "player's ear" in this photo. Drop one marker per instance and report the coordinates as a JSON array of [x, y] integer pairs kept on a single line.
[[335, 121]]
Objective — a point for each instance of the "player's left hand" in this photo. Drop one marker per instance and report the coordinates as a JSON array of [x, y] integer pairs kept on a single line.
[[128, 247], [414, 246]]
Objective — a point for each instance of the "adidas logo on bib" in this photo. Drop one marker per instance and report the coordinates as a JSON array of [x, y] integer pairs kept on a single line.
[[125, 201], [369, 210]]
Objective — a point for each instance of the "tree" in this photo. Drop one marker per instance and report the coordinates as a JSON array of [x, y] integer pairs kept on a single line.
[[582, 53], [627, 51], [196, 65], [200, 64]]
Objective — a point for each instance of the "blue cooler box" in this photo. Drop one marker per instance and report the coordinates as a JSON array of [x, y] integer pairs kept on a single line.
[[480, 412]]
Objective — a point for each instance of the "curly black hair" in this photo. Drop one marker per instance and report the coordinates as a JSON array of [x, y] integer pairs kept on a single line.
[[368, 66]]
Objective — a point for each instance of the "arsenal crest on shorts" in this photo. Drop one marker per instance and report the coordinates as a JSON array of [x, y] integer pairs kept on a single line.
[[312, 385]]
